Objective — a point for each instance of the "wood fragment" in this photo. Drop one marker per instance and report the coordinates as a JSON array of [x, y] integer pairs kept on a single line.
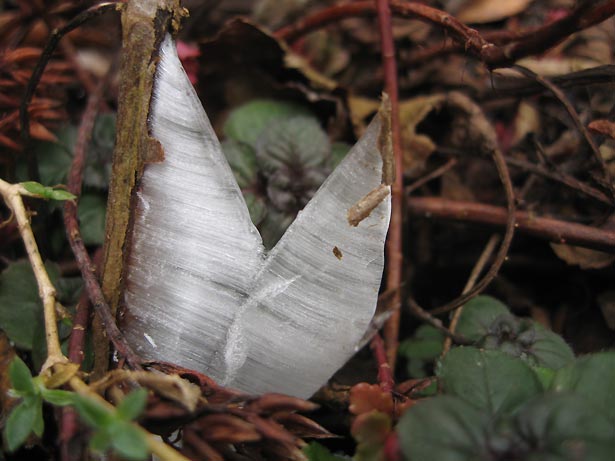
[[363, 208]]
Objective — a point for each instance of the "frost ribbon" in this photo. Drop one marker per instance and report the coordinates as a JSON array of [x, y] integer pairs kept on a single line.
[[202, 292]]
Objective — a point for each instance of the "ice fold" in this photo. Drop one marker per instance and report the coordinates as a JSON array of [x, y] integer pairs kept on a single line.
[[199, 284]]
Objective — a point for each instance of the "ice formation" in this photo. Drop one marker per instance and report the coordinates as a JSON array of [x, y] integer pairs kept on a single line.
[[202, 293]]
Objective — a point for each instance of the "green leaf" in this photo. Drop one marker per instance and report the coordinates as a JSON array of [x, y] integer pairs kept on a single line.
[[478, 315], [21, 378], [38, 425], [546, 348], [60, 194], [593, 378], [34, 188], [20, 305], [58, 397], [246, 123], [426, 344], [242, 159], [20, 423], [563, 427], [100, 441], [490, 380], [132, 405], [46, 192], [54, 158], [295, 143], [128, 441], [92, 211], [443, 428], [93, 413], [545, 376], [490, 325], [256, 207], [338, 152], [317, 452], [424, 347]]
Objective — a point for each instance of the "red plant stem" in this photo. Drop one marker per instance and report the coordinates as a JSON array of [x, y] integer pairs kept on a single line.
[[585, 15], [402, 9], [385, 373], [546, 228], [394, 267]]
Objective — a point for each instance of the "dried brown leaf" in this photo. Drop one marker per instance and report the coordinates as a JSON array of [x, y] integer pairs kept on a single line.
[[483, 11], [225, 428], [603, 127], [302, 426], [270, 403], [583, 257]]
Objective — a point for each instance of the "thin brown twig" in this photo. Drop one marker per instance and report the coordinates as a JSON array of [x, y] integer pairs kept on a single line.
[[431, 176], [536, 41], [411, 10], [500, 257], [75, 178], [394, 268], [476, 271], [561, 178], [553, 230], [37, 73], [561, 97], [427, 317]]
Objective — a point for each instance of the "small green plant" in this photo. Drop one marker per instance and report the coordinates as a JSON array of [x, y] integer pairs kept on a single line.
[[280, 156], [27, 417], [516, 393], [112, 429]]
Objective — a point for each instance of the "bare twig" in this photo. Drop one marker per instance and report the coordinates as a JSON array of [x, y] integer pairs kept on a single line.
[[549, 229], [431, 176], [476, 271], [535, 41], [394, 268], [504, 175], [428, 318], [12, 195], [37, 73], [562, 178], [561, 97]]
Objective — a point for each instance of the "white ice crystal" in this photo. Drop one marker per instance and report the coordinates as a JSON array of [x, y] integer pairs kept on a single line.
[[201, 291]]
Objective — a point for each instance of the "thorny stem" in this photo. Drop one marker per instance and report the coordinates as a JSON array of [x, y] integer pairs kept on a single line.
[[12, 195], [394, 266], [549, 229], [476, 271]]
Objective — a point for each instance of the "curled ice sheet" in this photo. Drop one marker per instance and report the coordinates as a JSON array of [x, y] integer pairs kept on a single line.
[[200, 290]]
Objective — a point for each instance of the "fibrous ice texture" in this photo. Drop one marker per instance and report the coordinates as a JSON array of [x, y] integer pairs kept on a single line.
[[202, 293]]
